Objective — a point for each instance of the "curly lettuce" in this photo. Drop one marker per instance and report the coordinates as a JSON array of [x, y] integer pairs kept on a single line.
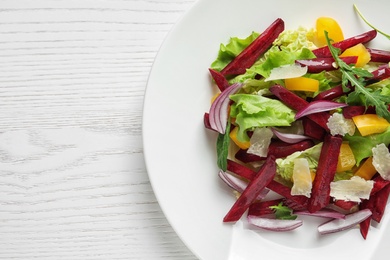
[[251, 111]]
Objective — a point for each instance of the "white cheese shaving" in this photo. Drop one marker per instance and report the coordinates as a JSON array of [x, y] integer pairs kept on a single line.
[[381, 160], [301, 178], [287, 72], [339, 125], [260, 141], [353, 189]]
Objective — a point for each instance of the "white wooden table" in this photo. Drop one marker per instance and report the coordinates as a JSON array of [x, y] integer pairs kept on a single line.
[[73, 183]]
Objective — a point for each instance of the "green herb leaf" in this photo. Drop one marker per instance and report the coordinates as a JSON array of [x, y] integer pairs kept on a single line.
[[361, 94], [283, 212], [223, 142]]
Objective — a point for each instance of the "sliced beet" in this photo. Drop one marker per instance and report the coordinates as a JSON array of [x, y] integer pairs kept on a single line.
[[383, 72], [240, 170], [379, 184], [219, 79], [351, 111], [251, 53], [329, 94], [297, 103], [379, 55], [264, 176], [345, 44], [295, 201], [326, 170], [263, 207], [377, 203], [346, 205], [312, 129], [318, 65], [278, 149], [365, 227]]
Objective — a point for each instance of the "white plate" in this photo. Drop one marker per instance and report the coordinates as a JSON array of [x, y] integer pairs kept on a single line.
[[180, 152]]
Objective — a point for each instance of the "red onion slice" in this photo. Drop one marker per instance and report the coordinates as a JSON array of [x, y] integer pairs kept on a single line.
[[318, 106], [289, 138], [322, 213], [218, 114], [239, 184], [274, 224], [350, 221]]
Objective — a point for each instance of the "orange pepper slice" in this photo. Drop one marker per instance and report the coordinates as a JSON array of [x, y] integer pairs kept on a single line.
[[302, 84], [368, 124], [331, 26], [346, 160], [366, 170], [233, 137], [361, 52]]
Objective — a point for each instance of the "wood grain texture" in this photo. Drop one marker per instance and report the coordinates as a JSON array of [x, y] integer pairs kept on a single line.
[[73, 183]]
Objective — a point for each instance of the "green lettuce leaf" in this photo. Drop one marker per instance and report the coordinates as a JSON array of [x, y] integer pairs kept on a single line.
[[285, 166], [362, 145], [277, 57], [251, 111], [288, 47], [229, 51]]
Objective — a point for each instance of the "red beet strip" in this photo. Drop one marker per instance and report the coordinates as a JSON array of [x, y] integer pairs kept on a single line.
[[383, 72], [312, 129], [351, 111], [379, 184], [251, 53], [346, 205], [329, 94], [263, 177], [298, 200], [326, 170], [240, 170], [278, 149], [377, 203], [379, 55], [345, 44], [318, 65], [220, 80], [206, 121], [263, 207], [297, 103], [365, 227]]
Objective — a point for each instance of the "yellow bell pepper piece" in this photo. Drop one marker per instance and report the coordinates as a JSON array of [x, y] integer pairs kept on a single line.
[[302, 84], [215, 97], [366, 170], [361, 52], [346, 160], [370, 124], [331, 26], [233, 137]]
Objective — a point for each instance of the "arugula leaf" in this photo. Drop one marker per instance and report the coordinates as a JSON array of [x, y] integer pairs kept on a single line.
[[223, 142], [283, 212], [361, 94]]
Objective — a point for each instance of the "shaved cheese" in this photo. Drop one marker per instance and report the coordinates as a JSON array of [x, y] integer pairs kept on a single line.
[[339, 125], [353, 189], [260, 141], [381, 160], [301, 178], [287, 72]]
